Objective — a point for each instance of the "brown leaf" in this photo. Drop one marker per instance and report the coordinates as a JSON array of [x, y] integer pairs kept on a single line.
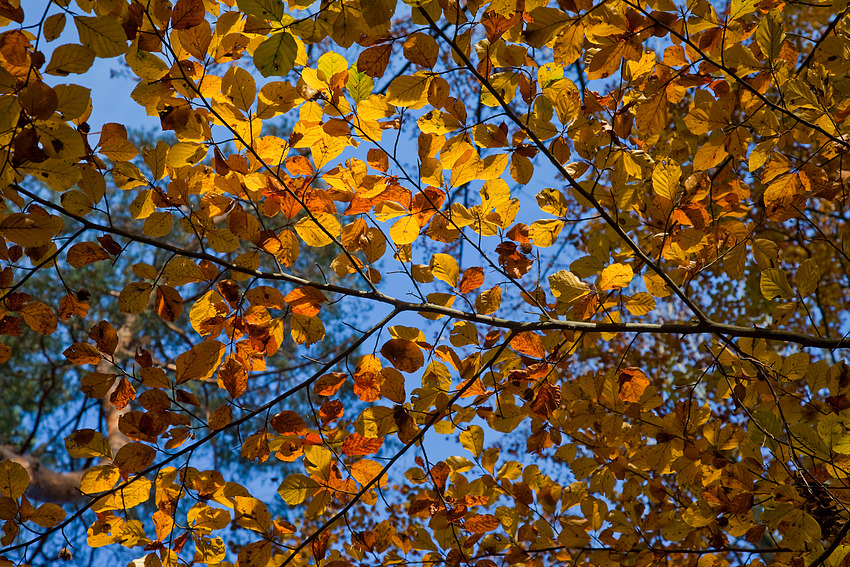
[[105, 337], [374, 60], [96, 384], [319, 545], [331, 411], [187, 14], [82, 353], [256, 447], [289, 423], [403, 354], [84, 253], [547, 400]]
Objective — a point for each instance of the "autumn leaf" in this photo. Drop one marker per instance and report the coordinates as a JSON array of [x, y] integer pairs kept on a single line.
[[356, 444], [403, 354], [199, 362], [632, 383], [615, 276]]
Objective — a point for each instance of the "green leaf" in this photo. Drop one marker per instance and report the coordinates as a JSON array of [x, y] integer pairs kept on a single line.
[[265, 9], [770, 35], [359, 84], [276, 55], [296, 488]]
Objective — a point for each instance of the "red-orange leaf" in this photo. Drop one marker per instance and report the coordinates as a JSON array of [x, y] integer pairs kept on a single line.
[[305, 300], [528, 343], [356, 444], [632, 383], [472, 279]]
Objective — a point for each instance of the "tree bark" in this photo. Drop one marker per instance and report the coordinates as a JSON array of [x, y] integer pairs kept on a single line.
[[47, 485]]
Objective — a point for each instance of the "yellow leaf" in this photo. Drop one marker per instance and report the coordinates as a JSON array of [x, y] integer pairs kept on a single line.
[[70, 58], [405, 230], [143, 205], [102, 34], [472, 439], [544, 233], [158, 224], [14, 479], [239, 86], [320, 232], [615, 276], [199, 362], [640, 303], [30, 230], [134, 297], [130, 494], [774, 283], [567, 287], [710, 153], [296, 488], [364, 471], [445, 268], [99, 479], [409, 91], [488, 301], [665, 179], [86, 443], [306, 330]]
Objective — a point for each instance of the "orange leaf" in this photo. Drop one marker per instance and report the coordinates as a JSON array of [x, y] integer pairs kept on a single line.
[[528, 343], [122, 394], [481, 523], [632, 384], [329, 384], [233, 377], [169, 304], [305, 300], [472, 279], [356, 444]]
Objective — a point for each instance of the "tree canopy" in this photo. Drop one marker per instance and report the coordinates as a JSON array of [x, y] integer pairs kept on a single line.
[[433, 282]]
